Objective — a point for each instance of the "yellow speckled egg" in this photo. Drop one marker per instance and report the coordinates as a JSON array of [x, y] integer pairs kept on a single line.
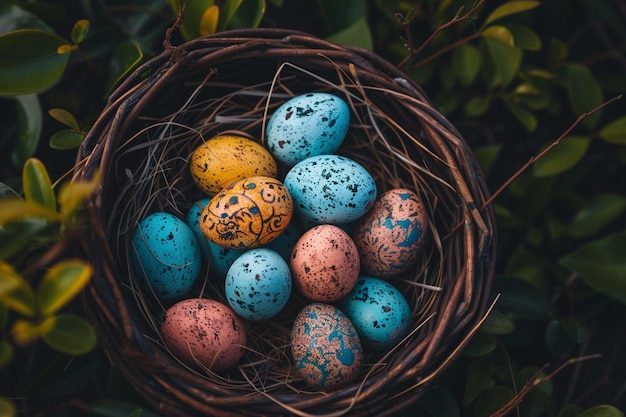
[[247, 213], [225, 159]]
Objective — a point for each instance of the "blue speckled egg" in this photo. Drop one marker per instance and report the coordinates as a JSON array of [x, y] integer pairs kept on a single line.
[[258, 284], [330, 189], [389, 237], [166, 255], [221, 258], [193, 221], [379, 312], [307, 125], [325, 347]]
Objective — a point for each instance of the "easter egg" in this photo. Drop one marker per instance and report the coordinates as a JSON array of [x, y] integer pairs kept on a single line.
[[225, 159], [330, 189], [204, 333], [193, 221], [325, 347], [390, 235], [258, 284], [379, 312], [165, 255], [247, 213], [324, 263], [307, 125]]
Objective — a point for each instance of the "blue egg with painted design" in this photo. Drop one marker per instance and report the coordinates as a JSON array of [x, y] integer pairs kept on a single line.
[[379, 311], [165, 256], [325, 347]]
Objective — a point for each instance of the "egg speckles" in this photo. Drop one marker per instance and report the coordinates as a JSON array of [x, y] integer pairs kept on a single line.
[[247, 213], [258, 284], [307, 125], [379, 312], [325, 346], [390, 235], [165, 255], [330, 189], [224, 159], [204, 333], [324, 263]]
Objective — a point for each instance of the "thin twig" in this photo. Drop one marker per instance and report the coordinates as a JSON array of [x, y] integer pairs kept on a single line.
[[534, 159]]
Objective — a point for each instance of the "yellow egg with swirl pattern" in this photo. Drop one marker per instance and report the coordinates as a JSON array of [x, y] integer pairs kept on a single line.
[[228, 158], [247, 213]]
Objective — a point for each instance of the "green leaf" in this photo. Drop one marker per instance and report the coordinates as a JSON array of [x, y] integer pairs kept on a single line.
[[7, 408], [602, 265], [25, 332], [14, 17], [523, 115], [440, 402], [531, 96], [16, 209], [247, 15], [125, 58], [70, 334], [479, 374], [503, 62], [615, 132], [497, 323], [73, 194], [6, 354], [521, 298], [510, 8], [481, 344], [115, 408], [487, 156], [501, 34], [192, 14], [524, 37], [601, 411], [340, 15], [60, 284], [226, 13], [208, 22], [64, 117], [466, 63], [37, 185], [31, 62], [66, 139], [15, 292], [585, 92], [477, 106], [29, 125], [16, 237], [79, 31], [357, 34], [562, 157], [491, 400], [596, 214]]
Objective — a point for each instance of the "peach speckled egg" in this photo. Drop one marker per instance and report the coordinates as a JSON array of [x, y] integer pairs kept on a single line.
[[325, 346], [324, 263], [205, 333], [224, 159], [247, 213], [390, 235]]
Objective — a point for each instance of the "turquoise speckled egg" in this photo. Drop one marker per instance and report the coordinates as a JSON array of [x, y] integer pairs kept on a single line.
[[325, 346], [330, 189], [165, 255], [307, 125], [379, 312], [193, 221], [258, 284]]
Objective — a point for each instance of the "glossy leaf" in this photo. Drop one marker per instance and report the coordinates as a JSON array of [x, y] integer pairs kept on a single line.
[[60, 284], [66, 139], [16, 209], [126, 57], [601, 411], [192, 14], [602, 265], [501, 34], [79, 31], [481, 344], [16, 237], [247, 15], [531, 96], [522, 299], [523, 115], [479, 374], [14, 17], [524, 37], [477, 106], [504, 62], [466, 63], [340, 15], [585, 92], [357, 34], [562, 157], [31, 62], [69, 334], [208, 22], [510, 8], [615, 132], [226, 12], [73, 194], [596, 215], [37, 185], [29, 125], [64, 117], [497, 323], [15, 292]]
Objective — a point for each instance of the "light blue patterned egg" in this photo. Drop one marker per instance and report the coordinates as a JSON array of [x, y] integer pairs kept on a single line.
[[325, 347], [165, 255], [330, 189], [258, 284], [307, 125], [379, 311]]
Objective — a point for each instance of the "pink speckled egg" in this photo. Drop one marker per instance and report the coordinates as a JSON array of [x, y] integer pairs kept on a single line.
[[325, 263], [204, 333], [325, 347], [389, 237]]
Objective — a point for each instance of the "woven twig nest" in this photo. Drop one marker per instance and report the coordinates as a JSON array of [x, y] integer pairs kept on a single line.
[[231, 82]]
